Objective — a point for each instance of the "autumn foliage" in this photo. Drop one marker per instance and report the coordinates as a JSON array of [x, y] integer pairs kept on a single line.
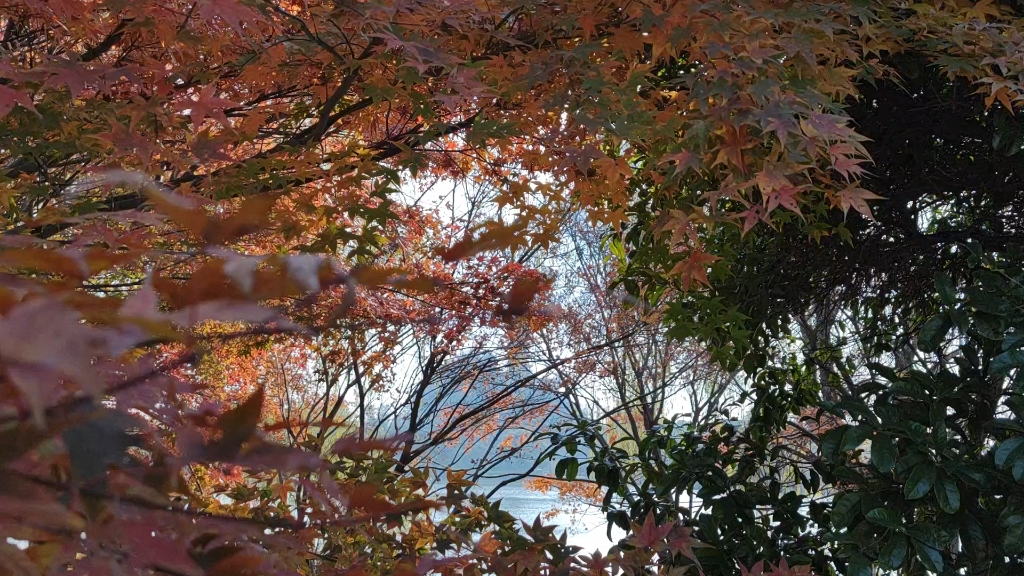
[[214, 243]]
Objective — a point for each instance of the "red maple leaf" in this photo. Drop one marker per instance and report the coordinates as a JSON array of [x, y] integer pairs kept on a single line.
[[755, 570], [9, 97], [206, 105], [787, 197], [751, 217], [232, 12], [76, 76], [588, 23], [650, 533], [683, 160]]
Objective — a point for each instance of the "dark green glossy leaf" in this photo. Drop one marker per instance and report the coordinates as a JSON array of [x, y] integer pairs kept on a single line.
[[1016, 404], [907, 462], [859, 566], [1006, 361], [887, 413], [1013, 340], [1011, 424], [933, 332], [894, 552], [858, 408], [918, 432], [886, 518], [887, 372], [854, 437], [845, 509], [909, 390], [971, 475], [1013, 539], [972, 533], [920, 481], [829, 445], [1008, 447], [930, 534], [883, 452], [948, 495], [930, 557], [944, 286], [572, 469]]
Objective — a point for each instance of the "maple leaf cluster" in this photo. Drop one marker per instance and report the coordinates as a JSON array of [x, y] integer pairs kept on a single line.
[[206, 242]]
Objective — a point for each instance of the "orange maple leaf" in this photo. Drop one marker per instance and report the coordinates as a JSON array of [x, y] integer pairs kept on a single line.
[[734, 142], [694, 268], [588, 23]]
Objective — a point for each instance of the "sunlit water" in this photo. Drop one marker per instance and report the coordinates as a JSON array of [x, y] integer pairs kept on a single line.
[[586, 528]]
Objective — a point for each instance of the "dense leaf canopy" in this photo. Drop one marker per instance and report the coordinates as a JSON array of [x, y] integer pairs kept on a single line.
[[245, 329]]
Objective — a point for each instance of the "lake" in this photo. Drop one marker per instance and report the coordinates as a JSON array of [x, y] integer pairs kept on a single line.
[[587, 528]]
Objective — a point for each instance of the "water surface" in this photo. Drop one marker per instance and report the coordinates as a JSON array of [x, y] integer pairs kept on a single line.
[[586, 528]]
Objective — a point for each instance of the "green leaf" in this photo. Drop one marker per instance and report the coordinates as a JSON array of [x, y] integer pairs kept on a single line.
[[907, 462], [887, 372], [883, 452], [894, 552], [971, 475], [567, 468], [944, 285], [933, 332], [1006, 361], [854, 437], [572, 469], [1011, 446], [845, 508], [920, 481], [930, 557], [972, 533], [888, 413], [886, 518], [918, 432], [1013, 540], [1018, 469], [830, 443], [986, 300], [859, 408], [948, 495], [1012, 340], [1016, 404], [929, 534], [909, 390], [859, 566]]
